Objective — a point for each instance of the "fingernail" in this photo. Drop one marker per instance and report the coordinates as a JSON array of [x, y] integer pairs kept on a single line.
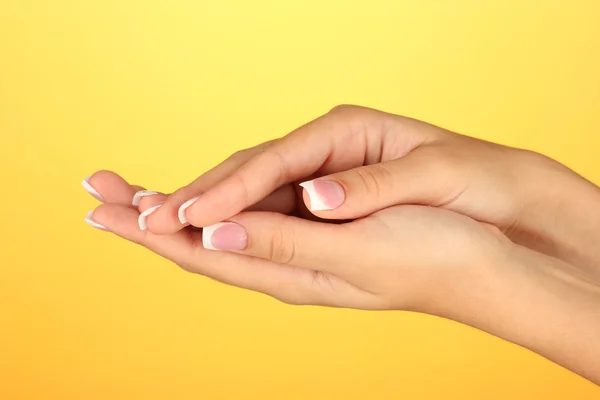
[[89, 220], [181, 213], [324, 195], [90, 189], [224, 236], [143, 216], [142, 193]]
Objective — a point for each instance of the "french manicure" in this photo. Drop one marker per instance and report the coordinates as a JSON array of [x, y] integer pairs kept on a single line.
[[324, 195], [89, 220], [224, 236], [90, 189], [144, 216], [142, 193], [181, 213]]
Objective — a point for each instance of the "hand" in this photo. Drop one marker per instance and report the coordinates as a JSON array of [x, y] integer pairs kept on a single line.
[[405, 257], [368, 160]]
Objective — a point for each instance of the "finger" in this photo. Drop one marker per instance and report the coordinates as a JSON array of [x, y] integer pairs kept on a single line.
[[284, 282], [283, 239], [141, 194], [421, 177], [166, 220], [108, 187], [283, 200], [147, 202], [335, 142]]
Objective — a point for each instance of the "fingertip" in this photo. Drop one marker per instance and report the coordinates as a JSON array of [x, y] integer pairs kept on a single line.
[[106, 214], [163, 220], [89, 187], [226, 199], [89, 219], [103, 173], [119, 219], [143, 217], [151, 201], [322, 195], [310, 197], [108, 187], [185, 209], [141, 195]]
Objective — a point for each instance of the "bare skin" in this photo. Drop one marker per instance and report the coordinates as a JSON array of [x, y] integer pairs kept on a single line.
[[432, 221]]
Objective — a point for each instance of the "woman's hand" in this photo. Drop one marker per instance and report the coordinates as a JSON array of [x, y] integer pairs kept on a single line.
[[368, 160], [438, 260], [405, 257]]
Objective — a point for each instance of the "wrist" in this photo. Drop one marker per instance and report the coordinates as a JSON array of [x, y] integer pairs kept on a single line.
[[540, 303], [560, 212]]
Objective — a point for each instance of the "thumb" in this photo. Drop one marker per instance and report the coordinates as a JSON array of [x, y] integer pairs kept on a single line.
[[282, 239], [417, 178]]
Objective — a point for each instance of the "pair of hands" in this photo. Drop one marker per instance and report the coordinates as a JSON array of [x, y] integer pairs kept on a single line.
[[395, 214]]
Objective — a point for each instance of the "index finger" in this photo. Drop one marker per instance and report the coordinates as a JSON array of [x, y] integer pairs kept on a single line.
[[336, 141]]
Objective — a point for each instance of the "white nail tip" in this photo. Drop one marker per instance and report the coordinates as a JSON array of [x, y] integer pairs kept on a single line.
[[142, 193], [207, 234], [90, 189], [143, 216], [88, 219], [316, 203], [181, 213]]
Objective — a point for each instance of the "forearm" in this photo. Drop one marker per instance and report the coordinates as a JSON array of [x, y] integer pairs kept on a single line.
[[542, 304]]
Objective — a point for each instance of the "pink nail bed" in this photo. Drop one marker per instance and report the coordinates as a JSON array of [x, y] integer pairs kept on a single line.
[[324, 195], [224, 236]]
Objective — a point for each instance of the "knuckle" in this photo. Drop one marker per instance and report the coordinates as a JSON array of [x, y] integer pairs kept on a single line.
[[342, 116], [271, 156], [282, 246], [375, 180], [239, 154], [242, 192], [265, 145], [344, 109], [350, 120]]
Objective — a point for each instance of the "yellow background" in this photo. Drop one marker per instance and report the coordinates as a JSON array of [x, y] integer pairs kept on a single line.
[[162, 90]]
